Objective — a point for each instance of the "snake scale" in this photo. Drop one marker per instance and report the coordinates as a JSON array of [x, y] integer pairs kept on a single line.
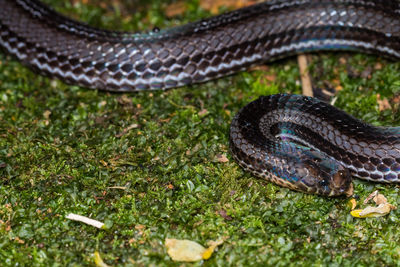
[[294, 141]]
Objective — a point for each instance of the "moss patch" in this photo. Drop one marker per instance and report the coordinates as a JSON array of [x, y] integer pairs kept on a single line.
[[147, 165]]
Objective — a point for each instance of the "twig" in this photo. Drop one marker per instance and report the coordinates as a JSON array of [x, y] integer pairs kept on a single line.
[[79, 218], [305, 76]]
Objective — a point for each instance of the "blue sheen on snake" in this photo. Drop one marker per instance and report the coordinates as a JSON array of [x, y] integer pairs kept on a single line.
[[293, 141]]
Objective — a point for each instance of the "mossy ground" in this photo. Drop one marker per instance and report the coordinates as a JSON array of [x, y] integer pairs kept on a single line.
[[67, 149]]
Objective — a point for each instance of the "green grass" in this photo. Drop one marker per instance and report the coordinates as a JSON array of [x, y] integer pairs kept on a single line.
[[62, 148]]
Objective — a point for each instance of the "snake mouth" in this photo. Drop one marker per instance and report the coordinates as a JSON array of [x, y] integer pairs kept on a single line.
[[341, 183], [349, 191]]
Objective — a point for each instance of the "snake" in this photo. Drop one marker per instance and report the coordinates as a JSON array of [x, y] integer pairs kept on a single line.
[[294, 141]]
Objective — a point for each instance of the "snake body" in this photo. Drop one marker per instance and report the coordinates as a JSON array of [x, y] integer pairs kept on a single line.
[[319, 140], [196, 52]]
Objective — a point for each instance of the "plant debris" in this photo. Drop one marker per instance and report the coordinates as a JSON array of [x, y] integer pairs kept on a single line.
[[80, 218], [190, 251], [98, 260], [382, 209]]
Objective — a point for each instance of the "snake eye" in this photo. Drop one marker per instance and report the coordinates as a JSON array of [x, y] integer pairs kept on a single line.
[[323, 183], [317, 160]]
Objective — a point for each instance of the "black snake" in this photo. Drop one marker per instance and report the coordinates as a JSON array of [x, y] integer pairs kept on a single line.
[[294, 141]]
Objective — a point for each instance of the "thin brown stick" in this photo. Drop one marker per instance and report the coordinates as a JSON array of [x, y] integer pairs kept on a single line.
[[305, 76]]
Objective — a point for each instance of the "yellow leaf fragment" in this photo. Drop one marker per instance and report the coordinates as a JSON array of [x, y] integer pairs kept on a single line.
[[353, 203], [184, 250], [382, 209], [190, 251], [379, 211], [208, 253], [212, 245], [98, 260], [47, 114]]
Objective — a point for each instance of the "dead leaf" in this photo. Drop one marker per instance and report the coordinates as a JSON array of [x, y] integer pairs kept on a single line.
[[175, 9], [353, 203], [259, 67], [371, 196], [203, 112], [19, 240], [383, 103], [117, 187], [382, 209], [98, 260], [214, 5], [380, 199], [170, 186], [47, 114], [222, 158], [224, 215], [184, 250], [127, 129], [378, 66], [212, 245], [79, 218], [190, 251]]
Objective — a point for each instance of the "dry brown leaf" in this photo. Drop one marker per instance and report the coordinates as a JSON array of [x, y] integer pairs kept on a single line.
[[203, 112], [383, 103], [170, 186], [378, 66], [342, 60], [224, 215], [175, 9], [380, 199], [127, 129], [270, 77], [371, 196], [214, 5], [222, 158], [259, 67], [19, 240]]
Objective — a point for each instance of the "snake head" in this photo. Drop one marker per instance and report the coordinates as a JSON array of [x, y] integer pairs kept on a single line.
[[319, 174], [340, 183], [324, 176]]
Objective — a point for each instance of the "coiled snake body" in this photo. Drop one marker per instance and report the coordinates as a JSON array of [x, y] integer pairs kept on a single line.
[[294, 141]]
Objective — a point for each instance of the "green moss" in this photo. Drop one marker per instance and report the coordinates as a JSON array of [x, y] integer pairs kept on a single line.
[[146, 165]]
